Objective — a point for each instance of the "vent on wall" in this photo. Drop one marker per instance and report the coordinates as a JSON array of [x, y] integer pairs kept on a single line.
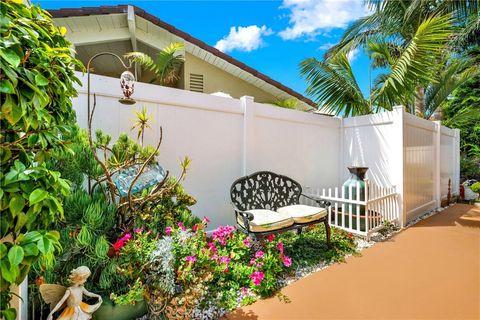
[[196, 82]]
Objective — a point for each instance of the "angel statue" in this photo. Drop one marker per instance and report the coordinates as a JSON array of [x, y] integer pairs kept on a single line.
[[70, 298]]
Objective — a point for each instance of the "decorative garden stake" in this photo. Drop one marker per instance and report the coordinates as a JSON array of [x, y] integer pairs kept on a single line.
[[71, 298]]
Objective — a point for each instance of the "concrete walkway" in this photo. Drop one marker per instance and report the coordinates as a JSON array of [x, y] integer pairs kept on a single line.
[[428, 271]]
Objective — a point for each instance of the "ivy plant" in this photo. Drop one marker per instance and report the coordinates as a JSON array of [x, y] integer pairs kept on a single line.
[[36, 87]]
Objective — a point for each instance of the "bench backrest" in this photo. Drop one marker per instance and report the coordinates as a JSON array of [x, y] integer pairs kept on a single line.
[[264, 190]]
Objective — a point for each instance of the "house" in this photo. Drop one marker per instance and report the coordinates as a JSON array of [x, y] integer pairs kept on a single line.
[[125, 28]]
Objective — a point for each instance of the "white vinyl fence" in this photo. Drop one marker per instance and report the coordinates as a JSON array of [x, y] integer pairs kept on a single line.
[[409, 159], [360, 210]]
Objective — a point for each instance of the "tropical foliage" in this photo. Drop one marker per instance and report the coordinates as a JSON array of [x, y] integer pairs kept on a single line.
[[36, 85], [410, 41], [190, 274], [166, 66]]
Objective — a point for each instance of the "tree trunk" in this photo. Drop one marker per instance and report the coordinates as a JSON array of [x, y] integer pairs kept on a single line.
[[420, 101]]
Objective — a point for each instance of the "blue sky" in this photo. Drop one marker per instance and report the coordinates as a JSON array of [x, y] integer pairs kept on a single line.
[[270, 36]]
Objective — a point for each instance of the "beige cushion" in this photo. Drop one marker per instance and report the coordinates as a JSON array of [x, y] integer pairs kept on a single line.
[[303, 214], [267, 220]]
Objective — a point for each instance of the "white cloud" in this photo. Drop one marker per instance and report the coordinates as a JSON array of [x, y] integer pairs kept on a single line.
[[243, 38], [308, 17], [352, 55]]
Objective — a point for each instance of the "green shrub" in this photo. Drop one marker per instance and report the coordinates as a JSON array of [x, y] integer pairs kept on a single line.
[[475, 187], [470, 168], [36, 87]]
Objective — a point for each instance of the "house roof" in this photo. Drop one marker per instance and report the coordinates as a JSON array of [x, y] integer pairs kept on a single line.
[[105, 10]]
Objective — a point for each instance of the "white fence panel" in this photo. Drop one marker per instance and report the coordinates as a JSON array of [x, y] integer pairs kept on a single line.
[[302, 146], [448, 161], [419, 166], [360, 211], [227, 138]]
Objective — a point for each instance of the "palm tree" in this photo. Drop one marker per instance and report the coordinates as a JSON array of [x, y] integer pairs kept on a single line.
[[409, 65], [409, 39], [142, 123], [167, 65]]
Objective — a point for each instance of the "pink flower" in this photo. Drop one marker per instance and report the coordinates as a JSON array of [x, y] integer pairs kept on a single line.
[[214, 257], [138, 230], [280, 247], [247, 242], [257, 277], [253, 261], [270, 237], [243, 290], [126, 237], [287, 261], [259, 254], [211, 246], [195, 228], [191, 259], [168, 230], [182, 226], [205, 220], [224, 259], [221, 234]]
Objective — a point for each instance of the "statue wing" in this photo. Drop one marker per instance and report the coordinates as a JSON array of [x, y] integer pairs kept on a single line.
[[52, 293]]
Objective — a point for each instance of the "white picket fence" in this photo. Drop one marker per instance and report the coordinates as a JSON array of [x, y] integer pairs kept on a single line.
[[361, 212]]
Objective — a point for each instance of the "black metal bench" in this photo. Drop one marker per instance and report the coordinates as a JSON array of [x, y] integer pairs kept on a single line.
[[264, 194]]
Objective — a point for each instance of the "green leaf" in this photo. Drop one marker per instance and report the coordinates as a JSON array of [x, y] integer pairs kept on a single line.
[[6, 86], [44, 245], [10, 56], [37, 195], [9, 314], [16, 204], [30, 249], [15, 255], [40, 80], [31, 236], [7, 272], [3, 250]]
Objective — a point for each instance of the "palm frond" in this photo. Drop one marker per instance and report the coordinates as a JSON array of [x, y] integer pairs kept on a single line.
[[416, 63], [169, 61], [167, 65], [446, 81], [333, 86], [142, 59]]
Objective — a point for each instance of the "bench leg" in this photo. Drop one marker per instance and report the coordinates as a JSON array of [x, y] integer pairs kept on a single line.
[[327, 229]]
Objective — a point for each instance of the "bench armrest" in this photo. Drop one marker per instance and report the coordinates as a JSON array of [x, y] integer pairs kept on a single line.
[[246, 218], [319, 201]]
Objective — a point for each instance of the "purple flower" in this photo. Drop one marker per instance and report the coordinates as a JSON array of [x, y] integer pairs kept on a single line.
[[191, 259], [212, 247], [138, 230], [287, 261], [224, 259], [222, 233], [168, 230], [257, 277], [126, 237], [244, 291], [247, 242], [182, 226], [205, 220], [259, 254]]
